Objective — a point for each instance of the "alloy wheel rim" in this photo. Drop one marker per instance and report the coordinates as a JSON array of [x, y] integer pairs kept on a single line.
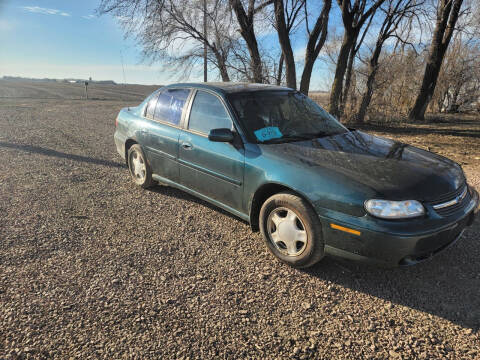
[[287, 232], [138, 168]]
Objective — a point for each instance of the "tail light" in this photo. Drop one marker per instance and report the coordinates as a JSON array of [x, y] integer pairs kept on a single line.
[[116, 121]]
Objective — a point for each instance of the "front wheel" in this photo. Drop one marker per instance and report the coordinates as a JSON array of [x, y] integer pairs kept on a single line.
[[139, 168], [292, 230]]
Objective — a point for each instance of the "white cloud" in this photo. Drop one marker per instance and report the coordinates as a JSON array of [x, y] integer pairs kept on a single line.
[[88, 17], [45, 11]]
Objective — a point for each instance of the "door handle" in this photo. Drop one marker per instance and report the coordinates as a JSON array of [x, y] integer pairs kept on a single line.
[[187, 146]]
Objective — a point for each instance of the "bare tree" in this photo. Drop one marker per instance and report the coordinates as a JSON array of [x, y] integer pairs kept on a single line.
[[357, 44], [396, 82], [458, 83], [291, 19], [172, 31], [245, 18], [316, 39], [285, 18], [239, 64], [447, 15], [353, 17], [394, 12]]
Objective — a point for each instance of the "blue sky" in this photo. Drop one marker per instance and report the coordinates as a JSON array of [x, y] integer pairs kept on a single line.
[[64, 38]]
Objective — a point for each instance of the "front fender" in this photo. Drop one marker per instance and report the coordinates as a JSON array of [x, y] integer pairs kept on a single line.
[[322, 187]]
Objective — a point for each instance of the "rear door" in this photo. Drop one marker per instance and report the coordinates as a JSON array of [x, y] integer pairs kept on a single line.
[[165, 115], [213, 169]]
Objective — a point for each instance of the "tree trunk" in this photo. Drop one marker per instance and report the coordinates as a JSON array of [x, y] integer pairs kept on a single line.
[[342, 62], [223, 71], [280, 70], [248, 33], [315, 43], [353, 18], [428, 87], [222, 67], [284, 39], [367, 96], [455, 95], [373, 67], [348, 79], [447, 17], [307, 74]]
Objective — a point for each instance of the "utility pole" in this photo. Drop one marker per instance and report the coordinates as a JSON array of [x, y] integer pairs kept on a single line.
[[205, 41]]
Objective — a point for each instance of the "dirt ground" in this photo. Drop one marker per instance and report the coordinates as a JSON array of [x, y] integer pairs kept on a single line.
[[93, 267]]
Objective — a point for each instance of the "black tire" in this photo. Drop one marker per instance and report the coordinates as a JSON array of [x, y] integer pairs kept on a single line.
[[145, 181], [306, 220]]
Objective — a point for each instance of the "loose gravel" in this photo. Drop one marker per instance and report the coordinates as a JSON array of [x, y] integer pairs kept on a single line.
[[92, 266]]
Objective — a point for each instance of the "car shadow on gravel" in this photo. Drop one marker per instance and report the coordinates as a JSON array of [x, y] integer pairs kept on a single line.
[[179, 194], [447, 285], [59, 154]]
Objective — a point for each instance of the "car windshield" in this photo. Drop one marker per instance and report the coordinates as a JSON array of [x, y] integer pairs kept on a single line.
[[282, 116]]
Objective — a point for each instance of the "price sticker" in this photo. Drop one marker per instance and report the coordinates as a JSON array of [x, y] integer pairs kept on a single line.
[[267, 133]]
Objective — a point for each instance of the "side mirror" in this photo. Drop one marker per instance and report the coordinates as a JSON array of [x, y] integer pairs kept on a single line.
[[220, 135]]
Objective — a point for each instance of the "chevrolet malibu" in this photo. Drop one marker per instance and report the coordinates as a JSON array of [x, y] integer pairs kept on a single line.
[[273, 157]]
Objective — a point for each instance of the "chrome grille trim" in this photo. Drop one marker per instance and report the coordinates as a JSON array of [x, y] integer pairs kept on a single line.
[[454, 201]]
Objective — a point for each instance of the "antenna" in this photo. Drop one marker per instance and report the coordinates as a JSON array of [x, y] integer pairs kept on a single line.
[[123, 69]]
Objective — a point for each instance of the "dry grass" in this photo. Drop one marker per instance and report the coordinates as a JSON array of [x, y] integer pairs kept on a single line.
[[320, 97]]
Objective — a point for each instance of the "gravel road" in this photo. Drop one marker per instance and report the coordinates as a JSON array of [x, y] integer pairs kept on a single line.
[[92, 266]]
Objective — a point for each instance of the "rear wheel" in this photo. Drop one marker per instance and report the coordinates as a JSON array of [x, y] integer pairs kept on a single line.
[[292, 230], [139, 168]]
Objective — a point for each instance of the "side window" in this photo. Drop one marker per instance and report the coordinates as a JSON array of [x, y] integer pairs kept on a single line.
[[208, 113], [151, 106], [170, 105]]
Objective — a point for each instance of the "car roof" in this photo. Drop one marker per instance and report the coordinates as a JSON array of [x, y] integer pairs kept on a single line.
[[231, 87]]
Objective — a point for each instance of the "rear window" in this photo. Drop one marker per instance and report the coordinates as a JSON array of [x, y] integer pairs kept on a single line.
[[151, 106], [170, 105]]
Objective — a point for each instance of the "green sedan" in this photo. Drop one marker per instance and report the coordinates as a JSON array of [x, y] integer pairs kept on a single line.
[[273, 157]]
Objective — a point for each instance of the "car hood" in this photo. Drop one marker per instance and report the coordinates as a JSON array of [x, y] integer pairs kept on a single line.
[[393, 169]]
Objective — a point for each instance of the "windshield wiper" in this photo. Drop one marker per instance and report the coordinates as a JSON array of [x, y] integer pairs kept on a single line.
[[299, 137], [318, 134], [322, 134]]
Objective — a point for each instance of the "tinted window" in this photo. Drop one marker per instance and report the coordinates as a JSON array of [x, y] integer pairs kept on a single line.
[[170, 105], [151, 106], [208, 113]]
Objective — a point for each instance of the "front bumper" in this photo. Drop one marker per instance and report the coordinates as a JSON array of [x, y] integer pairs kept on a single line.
[[379, 247]]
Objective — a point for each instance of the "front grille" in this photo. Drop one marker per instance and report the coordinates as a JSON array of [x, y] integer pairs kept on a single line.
[[448, 196], [452, 209]]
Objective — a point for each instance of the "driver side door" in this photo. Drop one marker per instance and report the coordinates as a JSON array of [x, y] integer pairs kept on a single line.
[[214, 169]]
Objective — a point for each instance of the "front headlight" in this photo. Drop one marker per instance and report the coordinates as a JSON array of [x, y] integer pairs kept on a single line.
[[386, 209]]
